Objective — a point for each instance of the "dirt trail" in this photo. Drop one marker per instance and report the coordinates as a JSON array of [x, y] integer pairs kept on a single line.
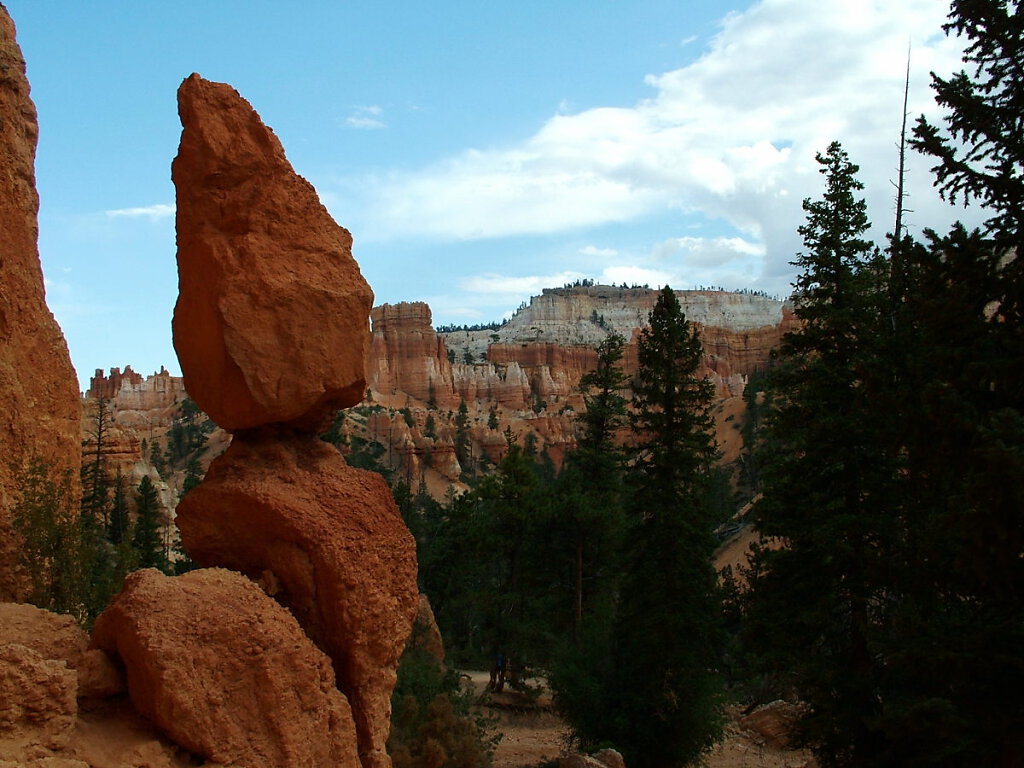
[[533, 734]]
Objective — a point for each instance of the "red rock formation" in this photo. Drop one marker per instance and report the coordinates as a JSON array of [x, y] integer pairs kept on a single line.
[[102, 386], [271, 319], [330, 544], [57, 637], [530, 368], [136, 401], [226, 672], [271, 331], [38, 386], [552, 369], [407, 355]]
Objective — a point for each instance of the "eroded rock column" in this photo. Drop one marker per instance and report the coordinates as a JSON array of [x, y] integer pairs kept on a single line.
[[38, 386], [271, 329]]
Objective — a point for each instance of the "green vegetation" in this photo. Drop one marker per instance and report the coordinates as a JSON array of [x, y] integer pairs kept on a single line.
[[592, 577], [77, 552], [892, 455], [431, 721], [664, 701]]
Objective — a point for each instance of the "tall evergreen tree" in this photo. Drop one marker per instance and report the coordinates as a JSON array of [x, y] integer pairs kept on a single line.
[[664, 703], [597, 462], [119, 520], [462, 442], [146, 539], [95, 476], [825, 480], [965, 437], [591, 522], [981, 154]]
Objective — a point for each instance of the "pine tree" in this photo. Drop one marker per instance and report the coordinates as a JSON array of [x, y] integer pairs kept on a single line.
[[462, 443], [598, 462], [95, 477], [146, 539], [193, 475], [827, 481], [964, 629], [119, 520], [981, 158], [49, 553], [592, 524], [664, 704]]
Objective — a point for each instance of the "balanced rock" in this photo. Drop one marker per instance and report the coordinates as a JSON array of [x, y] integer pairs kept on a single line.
[[329, 543], [226, 672], [271, 323], [38, 385]]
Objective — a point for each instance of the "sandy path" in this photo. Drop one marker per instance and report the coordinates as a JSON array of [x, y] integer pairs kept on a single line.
[[533, 734]]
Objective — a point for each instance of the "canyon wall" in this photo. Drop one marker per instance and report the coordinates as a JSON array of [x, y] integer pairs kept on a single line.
[[137, 401], [523, 378], [38, 385]]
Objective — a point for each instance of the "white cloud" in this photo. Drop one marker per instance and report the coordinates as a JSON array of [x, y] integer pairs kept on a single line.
[[368, 116], [704, 252], [153, 212], [505, 285], [593, 250], [731, 137]]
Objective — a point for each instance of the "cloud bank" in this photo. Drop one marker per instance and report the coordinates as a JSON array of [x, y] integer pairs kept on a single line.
[[729, 138]]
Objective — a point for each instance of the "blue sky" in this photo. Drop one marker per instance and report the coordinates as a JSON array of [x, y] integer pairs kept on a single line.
[[478, 152]]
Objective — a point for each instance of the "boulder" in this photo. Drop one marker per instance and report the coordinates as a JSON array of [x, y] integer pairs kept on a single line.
[[38, 385], [51, 635], [271, 323], [37, 703], [610, 758], [226, 672], [58, 637], [330, 544], [774, 722]]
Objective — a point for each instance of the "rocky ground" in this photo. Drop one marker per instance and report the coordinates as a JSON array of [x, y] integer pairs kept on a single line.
[[532, 734]]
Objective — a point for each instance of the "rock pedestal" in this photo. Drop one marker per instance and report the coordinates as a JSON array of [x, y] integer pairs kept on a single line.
[[328, 542]]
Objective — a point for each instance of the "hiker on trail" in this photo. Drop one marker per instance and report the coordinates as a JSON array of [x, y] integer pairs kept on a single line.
[[498, 672]]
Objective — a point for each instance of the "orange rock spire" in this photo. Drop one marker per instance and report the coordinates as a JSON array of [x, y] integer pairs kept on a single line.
[[271, 323]]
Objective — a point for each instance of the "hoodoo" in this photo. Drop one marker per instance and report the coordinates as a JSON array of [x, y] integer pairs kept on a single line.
[[271, 328]]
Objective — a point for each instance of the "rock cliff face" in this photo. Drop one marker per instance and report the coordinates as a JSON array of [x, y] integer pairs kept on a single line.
[[137, 401], [407, 355], [271, 331], [37, 382], [527, 372]]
